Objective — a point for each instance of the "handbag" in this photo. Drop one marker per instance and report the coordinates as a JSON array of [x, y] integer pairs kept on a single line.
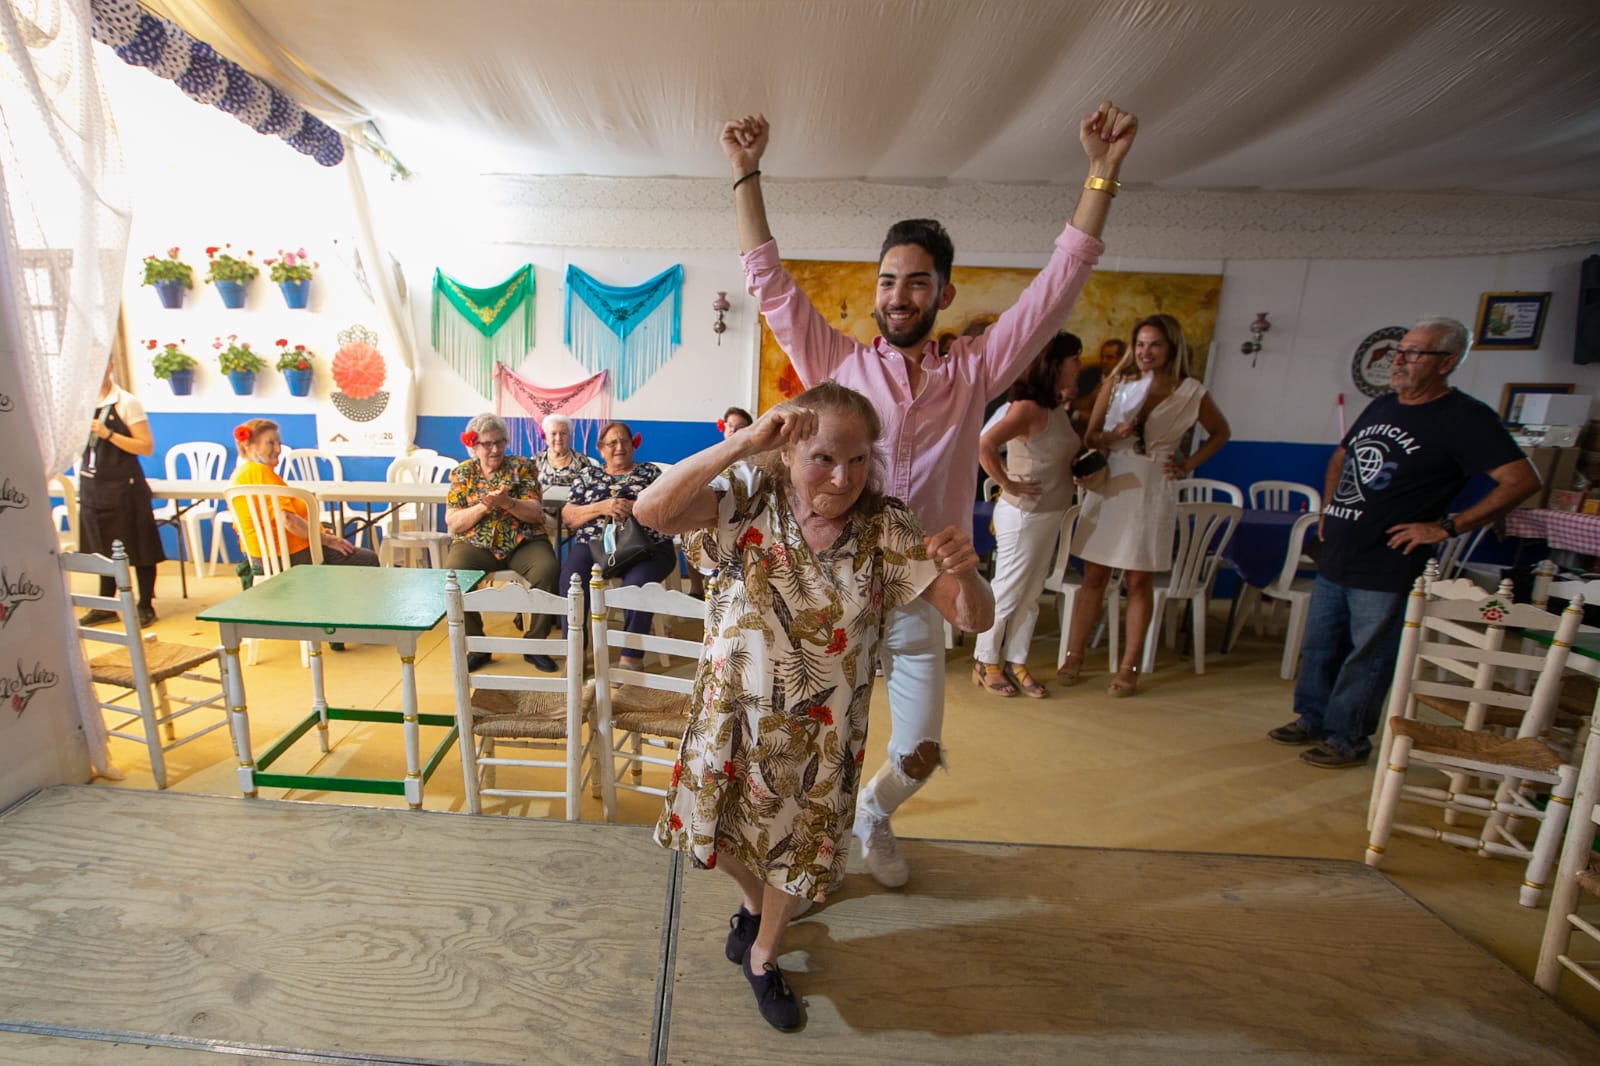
[[1089, 468], [620, 546]]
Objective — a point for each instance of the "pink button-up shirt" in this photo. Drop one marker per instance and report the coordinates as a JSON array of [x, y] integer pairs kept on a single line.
[[930, 440]]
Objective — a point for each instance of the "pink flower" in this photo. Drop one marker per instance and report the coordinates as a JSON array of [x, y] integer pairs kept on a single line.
[[172, 253]]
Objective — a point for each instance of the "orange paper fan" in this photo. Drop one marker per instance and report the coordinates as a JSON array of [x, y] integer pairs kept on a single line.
[[358, 370]]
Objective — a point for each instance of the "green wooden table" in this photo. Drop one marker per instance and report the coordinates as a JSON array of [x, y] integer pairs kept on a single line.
[[351, 604]]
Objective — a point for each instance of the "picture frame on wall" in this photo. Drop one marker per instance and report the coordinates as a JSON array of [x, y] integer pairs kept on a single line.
[[1508, 321], [1513, 393]]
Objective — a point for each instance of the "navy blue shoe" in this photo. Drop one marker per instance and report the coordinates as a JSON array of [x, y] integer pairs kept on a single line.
[[774, 998], [742, 929], [1328, 757]]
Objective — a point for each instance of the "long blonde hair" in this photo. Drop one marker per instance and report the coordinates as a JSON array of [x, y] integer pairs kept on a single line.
[[1167, 326]]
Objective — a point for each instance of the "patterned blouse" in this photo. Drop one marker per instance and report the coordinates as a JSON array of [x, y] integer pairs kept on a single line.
[[770, 764], [497, 532], [603, 486], [580, 467]]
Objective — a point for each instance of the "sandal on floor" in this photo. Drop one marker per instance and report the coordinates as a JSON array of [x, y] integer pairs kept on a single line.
[[1125, 682], [991, 677], [1019, 676], [1069, 670]]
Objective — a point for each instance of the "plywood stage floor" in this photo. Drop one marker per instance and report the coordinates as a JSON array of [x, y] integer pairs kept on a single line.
[[143, 928]]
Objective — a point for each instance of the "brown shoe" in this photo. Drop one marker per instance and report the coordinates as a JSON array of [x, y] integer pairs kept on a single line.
[[990, 676], [1019, 676], [1125, 682]]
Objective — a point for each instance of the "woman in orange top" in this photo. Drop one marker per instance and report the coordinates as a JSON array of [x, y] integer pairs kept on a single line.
[[259, 447]]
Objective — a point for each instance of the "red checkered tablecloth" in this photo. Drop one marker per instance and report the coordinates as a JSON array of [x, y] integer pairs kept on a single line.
[[1560, 529]]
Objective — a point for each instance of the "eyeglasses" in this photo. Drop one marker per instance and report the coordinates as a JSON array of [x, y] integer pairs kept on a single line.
[[1411, 355], [492, 445]]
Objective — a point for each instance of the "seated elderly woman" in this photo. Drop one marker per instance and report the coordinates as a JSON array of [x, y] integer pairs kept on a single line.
[[809, 559], [496, 521], [260, 446], [607, 496], [558, 463]]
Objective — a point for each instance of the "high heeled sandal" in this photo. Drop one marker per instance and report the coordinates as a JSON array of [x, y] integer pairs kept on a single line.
[[1019, 676], [991, 677], [1125, 682], [1071, 667]]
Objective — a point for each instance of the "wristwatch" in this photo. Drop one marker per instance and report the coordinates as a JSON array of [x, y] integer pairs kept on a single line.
[[1448, 524]]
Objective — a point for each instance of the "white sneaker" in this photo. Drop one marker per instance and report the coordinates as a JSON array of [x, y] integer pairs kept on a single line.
[[880, 850]]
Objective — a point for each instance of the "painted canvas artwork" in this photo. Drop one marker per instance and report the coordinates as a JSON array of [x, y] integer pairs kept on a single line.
[[1111, 302]]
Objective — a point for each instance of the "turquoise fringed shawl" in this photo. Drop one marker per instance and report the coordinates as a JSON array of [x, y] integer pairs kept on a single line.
[[629, 331]]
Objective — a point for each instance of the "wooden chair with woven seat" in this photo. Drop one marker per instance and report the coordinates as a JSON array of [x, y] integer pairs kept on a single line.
[[1455, 649], [142, 708], [538, 714], [1577, 882], [635, 710]]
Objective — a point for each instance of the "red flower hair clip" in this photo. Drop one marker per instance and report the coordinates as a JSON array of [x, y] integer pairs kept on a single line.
[[470, 438], [722, 427], [241, 434], [637, 440]]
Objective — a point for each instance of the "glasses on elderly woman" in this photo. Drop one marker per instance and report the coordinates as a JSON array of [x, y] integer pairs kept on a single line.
[[1411, 355], [492, 445]]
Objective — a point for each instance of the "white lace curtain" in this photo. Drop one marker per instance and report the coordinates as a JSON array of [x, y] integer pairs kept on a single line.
[[63, 242]]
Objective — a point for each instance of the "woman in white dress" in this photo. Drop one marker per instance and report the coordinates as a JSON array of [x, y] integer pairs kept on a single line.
[[1035, 479], [1140, 417]]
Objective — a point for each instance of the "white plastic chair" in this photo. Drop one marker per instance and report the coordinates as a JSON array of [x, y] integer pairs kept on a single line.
[[1204, 530], [1457, 650], [416, 527], [1208, 490], [645, 709], [142, 708], [529, 713], [1577, 876], [1064, 582], [1284, 496], [65, 513], [1288, 587], [1452, 554], [265, 506], [197, 460]]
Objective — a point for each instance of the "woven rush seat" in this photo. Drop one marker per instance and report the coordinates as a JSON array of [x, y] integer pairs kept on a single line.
[[1528, 753], [648, 710], [1572, 710], [512, 715], [165, 662]]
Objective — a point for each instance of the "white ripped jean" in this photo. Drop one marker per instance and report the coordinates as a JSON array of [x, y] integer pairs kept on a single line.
[[912, 654], [1025, 543]]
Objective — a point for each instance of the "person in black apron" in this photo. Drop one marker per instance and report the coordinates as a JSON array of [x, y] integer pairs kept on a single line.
[[114, 500]]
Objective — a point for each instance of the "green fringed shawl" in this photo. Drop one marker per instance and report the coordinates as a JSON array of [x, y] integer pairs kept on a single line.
[[472, 340]]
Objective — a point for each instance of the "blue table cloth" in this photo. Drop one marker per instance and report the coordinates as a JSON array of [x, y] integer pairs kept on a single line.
[[1260, 543]]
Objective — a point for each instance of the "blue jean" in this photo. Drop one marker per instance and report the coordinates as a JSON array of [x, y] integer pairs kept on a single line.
[[653, 567], [1346, 663]]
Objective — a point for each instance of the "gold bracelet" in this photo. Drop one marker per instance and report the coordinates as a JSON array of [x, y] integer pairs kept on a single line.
[[1108, 186]]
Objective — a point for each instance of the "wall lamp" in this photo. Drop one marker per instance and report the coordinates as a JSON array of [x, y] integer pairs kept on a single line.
[[1257, 328], [721, 306]]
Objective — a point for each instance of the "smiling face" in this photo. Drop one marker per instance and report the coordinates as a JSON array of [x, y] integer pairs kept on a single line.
[[267, 447], [490, 450], [616, 448], [828, 470], [733, 423], [910, 296], [557, 437], [1151, 351]]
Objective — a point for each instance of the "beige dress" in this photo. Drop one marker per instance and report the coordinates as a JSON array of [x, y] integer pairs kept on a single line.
[[1131, 522]]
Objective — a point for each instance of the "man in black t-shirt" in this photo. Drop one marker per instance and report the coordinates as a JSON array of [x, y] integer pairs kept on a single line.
[[1386, 492]]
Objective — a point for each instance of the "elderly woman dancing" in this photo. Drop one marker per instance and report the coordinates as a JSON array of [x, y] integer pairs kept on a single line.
[[496, 520], [1140, 417], [809, 559]]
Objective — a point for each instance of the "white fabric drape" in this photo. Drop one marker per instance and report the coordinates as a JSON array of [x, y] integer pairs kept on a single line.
[[63, 245]]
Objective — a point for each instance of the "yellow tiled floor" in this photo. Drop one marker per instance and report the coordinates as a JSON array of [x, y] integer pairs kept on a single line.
[[1184, 765]]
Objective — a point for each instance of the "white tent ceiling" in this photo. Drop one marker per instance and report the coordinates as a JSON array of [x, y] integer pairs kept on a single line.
[[1307, 98]]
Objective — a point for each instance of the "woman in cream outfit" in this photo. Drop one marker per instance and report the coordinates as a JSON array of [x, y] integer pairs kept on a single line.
[[1140, 417], [1035, 479]]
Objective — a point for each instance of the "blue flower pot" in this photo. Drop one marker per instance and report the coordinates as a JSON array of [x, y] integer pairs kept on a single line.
[[171, 293], [182, 382], [243, 382], [232, 293], [299, 382], [295, 293]]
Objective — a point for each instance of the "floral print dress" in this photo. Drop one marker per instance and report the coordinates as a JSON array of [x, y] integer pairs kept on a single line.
[[499, 533], [771, 760]]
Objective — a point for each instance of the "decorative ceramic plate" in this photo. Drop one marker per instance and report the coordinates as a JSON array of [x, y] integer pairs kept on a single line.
[[1370, 367]]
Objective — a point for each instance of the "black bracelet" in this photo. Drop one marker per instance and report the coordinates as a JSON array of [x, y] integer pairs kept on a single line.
[[747, 177]]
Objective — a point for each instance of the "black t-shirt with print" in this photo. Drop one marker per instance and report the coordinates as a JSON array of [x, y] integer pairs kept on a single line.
[[1404, 463]]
